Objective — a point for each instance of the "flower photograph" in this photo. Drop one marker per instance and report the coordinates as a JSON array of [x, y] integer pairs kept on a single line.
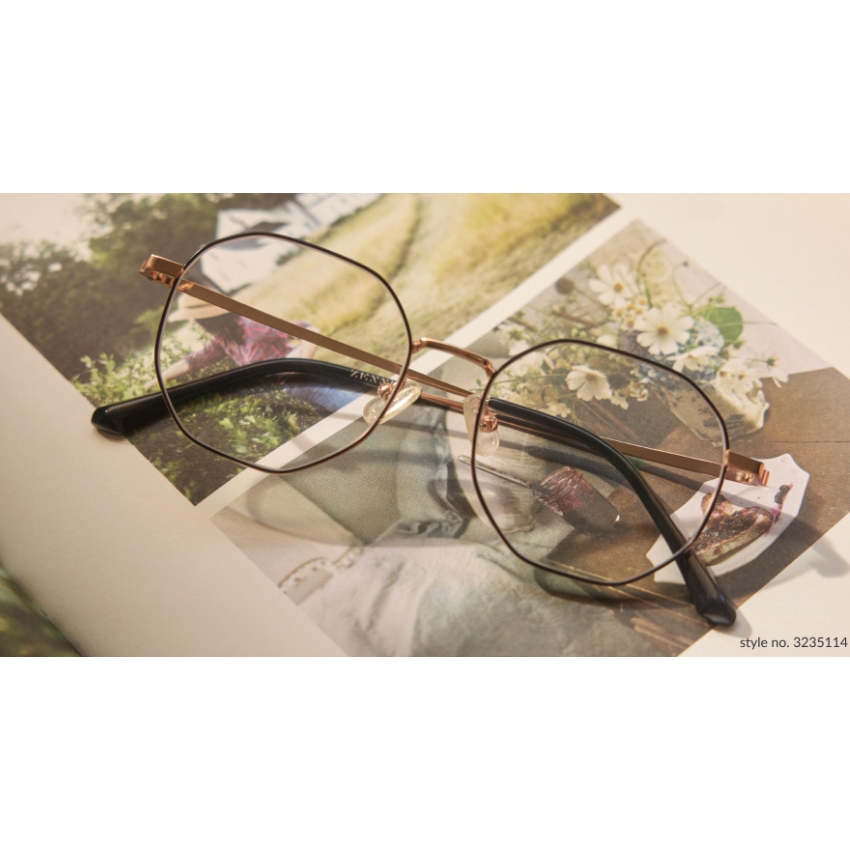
[[640, 295], [412, 565]]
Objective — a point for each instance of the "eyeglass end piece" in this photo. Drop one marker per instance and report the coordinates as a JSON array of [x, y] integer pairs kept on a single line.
[[746, 470], [161, 270]]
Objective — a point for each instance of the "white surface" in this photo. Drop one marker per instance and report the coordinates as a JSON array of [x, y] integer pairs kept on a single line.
[[117, 557], [788, 255]]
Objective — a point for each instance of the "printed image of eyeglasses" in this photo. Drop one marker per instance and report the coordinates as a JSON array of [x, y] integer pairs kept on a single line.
[[580, 454]]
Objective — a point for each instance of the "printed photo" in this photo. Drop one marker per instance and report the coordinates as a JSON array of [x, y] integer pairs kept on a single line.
[[392, 550]]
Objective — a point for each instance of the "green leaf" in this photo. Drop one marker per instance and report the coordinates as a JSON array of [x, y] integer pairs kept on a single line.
[[727, 320]]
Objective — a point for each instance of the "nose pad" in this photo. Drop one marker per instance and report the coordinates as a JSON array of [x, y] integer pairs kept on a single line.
[[488, 430], [405, 397]]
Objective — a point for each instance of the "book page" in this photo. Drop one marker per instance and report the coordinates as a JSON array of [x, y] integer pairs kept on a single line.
[[137, 561], [107, 544], [109, 549], [409, 565], [786, 254]]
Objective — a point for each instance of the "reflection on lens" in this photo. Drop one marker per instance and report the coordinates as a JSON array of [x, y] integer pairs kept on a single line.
[[267, 397], [597, 450]]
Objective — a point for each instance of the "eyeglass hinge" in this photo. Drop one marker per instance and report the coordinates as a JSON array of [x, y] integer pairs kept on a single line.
[[746, 469], [161, 270]]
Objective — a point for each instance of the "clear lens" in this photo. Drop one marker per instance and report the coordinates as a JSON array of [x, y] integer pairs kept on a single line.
[[592, 508], [266, 397]]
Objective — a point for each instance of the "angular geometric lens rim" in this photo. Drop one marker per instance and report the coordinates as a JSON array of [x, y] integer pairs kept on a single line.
[[673, 529], [174, 289]]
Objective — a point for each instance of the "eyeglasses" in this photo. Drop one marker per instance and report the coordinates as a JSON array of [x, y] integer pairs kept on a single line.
[[591, 463]]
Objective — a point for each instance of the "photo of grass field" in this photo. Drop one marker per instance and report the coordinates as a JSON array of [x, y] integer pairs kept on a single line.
[[446, 256]]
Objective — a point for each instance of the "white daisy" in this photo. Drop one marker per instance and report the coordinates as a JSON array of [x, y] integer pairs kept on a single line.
[[773, 368], [530, 365], [516, 346], [764, 365], [695, 359], [589, 383], [614, 287], [664, 329], [558, 408], [637, 390], [737, 374]]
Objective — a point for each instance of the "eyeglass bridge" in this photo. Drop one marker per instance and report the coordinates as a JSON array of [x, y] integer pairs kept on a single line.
[[488, 424], [488, 440]]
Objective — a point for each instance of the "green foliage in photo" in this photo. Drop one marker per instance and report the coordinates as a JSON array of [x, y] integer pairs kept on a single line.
[[94, 317]]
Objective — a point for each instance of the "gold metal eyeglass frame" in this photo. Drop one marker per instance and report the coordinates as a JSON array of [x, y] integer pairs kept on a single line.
[[164, 271], [394, 393]]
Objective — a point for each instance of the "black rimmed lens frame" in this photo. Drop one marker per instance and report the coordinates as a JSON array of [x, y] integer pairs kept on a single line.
[[269, 398], [588, 480]]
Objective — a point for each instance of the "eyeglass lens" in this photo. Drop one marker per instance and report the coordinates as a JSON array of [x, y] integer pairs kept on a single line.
[[561, 498], [558, 494], [286, 402]]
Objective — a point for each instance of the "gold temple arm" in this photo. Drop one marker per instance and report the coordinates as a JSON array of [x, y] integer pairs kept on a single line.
[[166, 271], [739, 467]]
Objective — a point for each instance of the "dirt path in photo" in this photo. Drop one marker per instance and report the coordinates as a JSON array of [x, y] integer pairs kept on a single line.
[[470, 250]]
